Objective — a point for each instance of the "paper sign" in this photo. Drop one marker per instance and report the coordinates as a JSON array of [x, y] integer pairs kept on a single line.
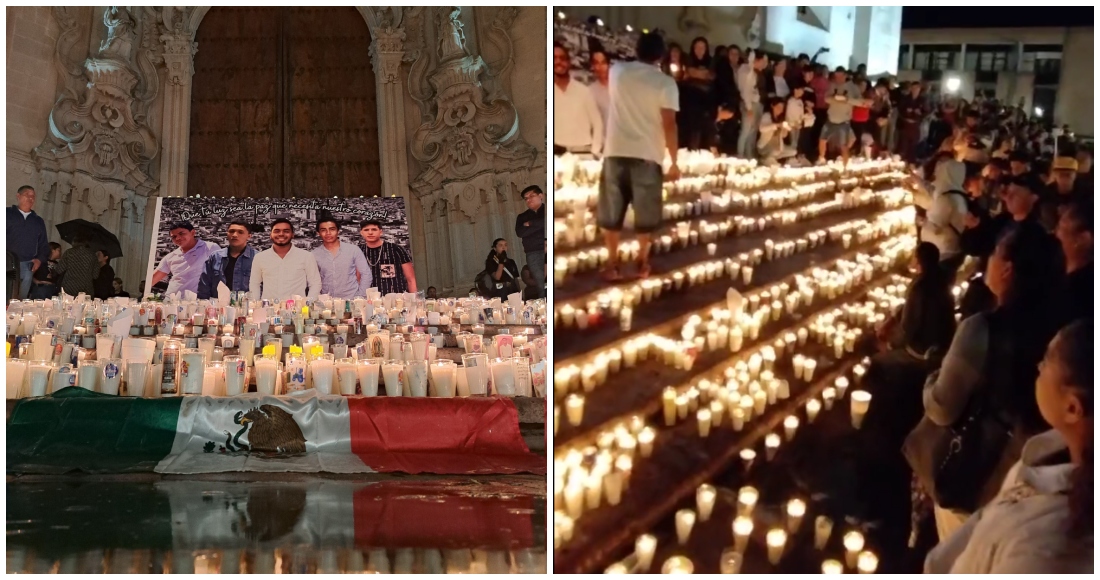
[[121, 322], [223, 294], [122, 301]]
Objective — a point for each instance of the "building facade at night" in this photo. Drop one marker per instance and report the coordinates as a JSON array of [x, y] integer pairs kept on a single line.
[[1043, 69]]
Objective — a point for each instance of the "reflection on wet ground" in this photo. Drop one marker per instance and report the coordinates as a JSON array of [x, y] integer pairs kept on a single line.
[[326, 526]]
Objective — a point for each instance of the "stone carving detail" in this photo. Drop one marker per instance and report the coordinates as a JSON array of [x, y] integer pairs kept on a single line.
[[95, 131], [498, 52], [67, 40], [471, 132], [387, 50], [179, 56]]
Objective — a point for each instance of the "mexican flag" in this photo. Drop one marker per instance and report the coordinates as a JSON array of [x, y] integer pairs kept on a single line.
[[77, 430]]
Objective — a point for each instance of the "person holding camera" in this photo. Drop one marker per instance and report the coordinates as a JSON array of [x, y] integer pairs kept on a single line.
[[501, 273]]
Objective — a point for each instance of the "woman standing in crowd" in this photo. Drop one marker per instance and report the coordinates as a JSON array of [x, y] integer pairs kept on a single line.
[[992, 359], [697, 95], [1041, 522], [728, 99]]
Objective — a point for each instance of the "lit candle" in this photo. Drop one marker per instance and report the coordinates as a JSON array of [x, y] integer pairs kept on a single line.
[[858, 371], [747, 457], [832, 567], [746, 500], [771, 445], [813, 407], [685, 520], [867, 562], [798, 362], [644, 548], [574, 497], [704, 500], [808, 369], [827, 396], [796, 509], [861, 401], [669, 399], [574, 409], [742, 528], [593, 490], [613, 486], [777, 540], [703, 416], [823, 528], [677, 564], [645, 441], [617, 568], [853, 544], [737, 417], [567, 314], [790, 425], [841, 385]]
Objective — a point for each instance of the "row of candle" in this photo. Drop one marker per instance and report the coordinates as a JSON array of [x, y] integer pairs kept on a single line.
[[747, 386], [740, 268], [627, 437], [682, 236], [727, 327]]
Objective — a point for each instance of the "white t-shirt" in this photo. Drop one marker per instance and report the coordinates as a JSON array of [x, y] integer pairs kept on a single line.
[[638, 93], [275, 278], [186, 268], [577, 120]]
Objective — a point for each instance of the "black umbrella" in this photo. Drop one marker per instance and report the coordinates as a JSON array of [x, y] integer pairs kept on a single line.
[[95, 234]]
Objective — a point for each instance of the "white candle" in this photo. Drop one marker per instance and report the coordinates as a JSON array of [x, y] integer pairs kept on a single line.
[[742, 528], [574, 409], [827, 396], [16, 370], [832, 567], [747, 457], [861, 401], [266, 369], [38, 374], [704, 500], [823, 528], [321, 371], [746, 500], [796, 509], [703, 416], [808, 369], [866, 562], [798, 362], [776, 540], [574, 498], [593, 491], [737, 417], [790, 426], [644, 548], [679, 565], [645, 441], [813, 407], [853, 544], [613, 486], [771, 445], [685, 520], [841, 385]]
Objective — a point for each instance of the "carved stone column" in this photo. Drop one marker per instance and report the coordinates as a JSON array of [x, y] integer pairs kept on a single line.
[[386, 50], [179, 59]]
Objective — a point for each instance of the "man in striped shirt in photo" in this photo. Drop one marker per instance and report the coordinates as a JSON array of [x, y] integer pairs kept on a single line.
[[390, 264]]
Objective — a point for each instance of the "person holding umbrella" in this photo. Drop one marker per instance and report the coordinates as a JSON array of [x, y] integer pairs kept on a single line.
[[78, 268]]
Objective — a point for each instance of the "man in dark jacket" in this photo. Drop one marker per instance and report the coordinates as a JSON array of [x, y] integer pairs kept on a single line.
[[911, 112], [27, 238], [531, 228]]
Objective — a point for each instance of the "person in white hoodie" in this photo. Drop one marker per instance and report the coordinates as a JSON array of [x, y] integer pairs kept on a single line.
[[798, 118], [946, 218], [1041, 522], [773, 132]]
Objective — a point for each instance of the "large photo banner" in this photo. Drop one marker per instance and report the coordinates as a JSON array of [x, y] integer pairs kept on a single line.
[[211, 217]]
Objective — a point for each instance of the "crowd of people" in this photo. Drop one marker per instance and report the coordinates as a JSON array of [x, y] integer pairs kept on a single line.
[[1001, 378], [746, 103]]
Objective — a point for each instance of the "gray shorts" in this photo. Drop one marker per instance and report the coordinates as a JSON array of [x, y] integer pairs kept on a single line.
[[839, 133], [627, 181]]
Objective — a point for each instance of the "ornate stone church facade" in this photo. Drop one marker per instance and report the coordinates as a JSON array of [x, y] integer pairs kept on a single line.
[[110, 107]]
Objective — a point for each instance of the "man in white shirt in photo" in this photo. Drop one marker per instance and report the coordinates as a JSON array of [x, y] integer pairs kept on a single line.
[[578, 127], [185, 264], [283, 271], [641, 125]]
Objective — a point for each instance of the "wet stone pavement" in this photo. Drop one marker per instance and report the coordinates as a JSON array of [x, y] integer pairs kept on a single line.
[[276, 523]]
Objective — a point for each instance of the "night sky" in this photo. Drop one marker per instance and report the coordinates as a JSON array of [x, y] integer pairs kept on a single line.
[[995, 17]]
